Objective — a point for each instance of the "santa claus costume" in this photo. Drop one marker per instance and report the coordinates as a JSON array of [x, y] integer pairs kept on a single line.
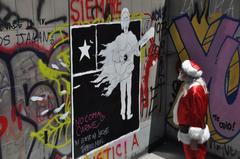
[[190, 110]]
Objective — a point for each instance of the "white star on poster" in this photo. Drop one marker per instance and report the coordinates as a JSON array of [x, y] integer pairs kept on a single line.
[[84, 49]]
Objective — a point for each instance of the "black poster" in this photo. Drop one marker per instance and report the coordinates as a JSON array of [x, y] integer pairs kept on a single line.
[[105, 83]]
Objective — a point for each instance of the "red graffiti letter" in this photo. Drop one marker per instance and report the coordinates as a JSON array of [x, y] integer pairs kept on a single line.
[[125, 149], [114, 4], [99, 156], [107, 151], [4, 124], [117, 152], [135, 141], [73, 10], [118, 7], [101, 5], [113, 152], [88, 9]]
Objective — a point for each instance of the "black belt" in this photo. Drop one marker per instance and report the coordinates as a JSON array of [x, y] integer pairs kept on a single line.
[[183, 128]]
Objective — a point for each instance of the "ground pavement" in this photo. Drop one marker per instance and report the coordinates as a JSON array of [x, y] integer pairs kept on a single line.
[[170, 150]]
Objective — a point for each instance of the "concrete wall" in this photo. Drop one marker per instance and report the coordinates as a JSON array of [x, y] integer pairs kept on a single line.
[[207, 32], [34, 77]]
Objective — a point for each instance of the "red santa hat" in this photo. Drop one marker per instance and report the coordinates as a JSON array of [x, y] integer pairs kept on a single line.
[[192, 69]]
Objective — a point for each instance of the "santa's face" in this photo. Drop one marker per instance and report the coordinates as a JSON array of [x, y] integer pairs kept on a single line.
[[182, 76]]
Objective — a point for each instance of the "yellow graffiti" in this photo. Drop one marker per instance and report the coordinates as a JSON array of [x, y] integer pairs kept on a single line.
[[205, 28], [64, 55], [59, 30], [233, 74], [56, 127], [182, 52], [52, 74], [52, 131], [99, 153], [143, 52]]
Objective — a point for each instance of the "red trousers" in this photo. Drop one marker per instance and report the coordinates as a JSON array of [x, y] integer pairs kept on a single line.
[[200, 153]]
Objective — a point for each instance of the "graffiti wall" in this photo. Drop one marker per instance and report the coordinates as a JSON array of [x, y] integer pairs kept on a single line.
[[207, 32], [35, 88]]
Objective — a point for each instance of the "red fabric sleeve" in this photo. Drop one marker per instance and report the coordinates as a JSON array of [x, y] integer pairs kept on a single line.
[[198, 109]]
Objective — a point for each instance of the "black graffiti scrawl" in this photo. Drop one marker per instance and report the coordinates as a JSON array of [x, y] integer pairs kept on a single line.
[[105, 82]]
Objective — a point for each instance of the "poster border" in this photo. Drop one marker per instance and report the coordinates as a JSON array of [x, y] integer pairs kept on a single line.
[[97, 70]]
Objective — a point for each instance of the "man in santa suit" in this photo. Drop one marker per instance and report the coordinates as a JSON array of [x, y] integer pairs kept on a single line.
[[190, 110]]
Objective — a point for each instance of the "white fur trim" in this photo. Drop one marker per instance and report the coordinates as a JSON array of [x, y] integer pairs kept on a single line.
[[206, 135], [198, 74], [181, 93], [175, 106], [184, 138], [202, 83], [198, 82], [196, 133], [190, 70]]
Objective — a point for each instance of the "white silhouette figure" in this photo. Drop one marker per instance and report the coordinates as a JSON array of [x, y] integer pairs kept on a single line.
[[119, 64], [124, 62]]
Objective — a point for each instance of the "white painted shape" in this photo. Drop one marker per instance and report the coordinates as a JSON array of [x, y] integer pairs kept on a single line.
[[63, 92], [64, 116], [147, 36], [76, 87], [85, 73], [44, 112], [57, 110], [84, 50], [55, 66], [118, 65], [36, 98], [63, 64]]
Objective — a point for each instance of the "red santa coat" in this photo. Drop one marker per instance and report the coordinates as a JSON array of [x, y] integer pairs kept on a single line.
[[192, 107], [190, 110]]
